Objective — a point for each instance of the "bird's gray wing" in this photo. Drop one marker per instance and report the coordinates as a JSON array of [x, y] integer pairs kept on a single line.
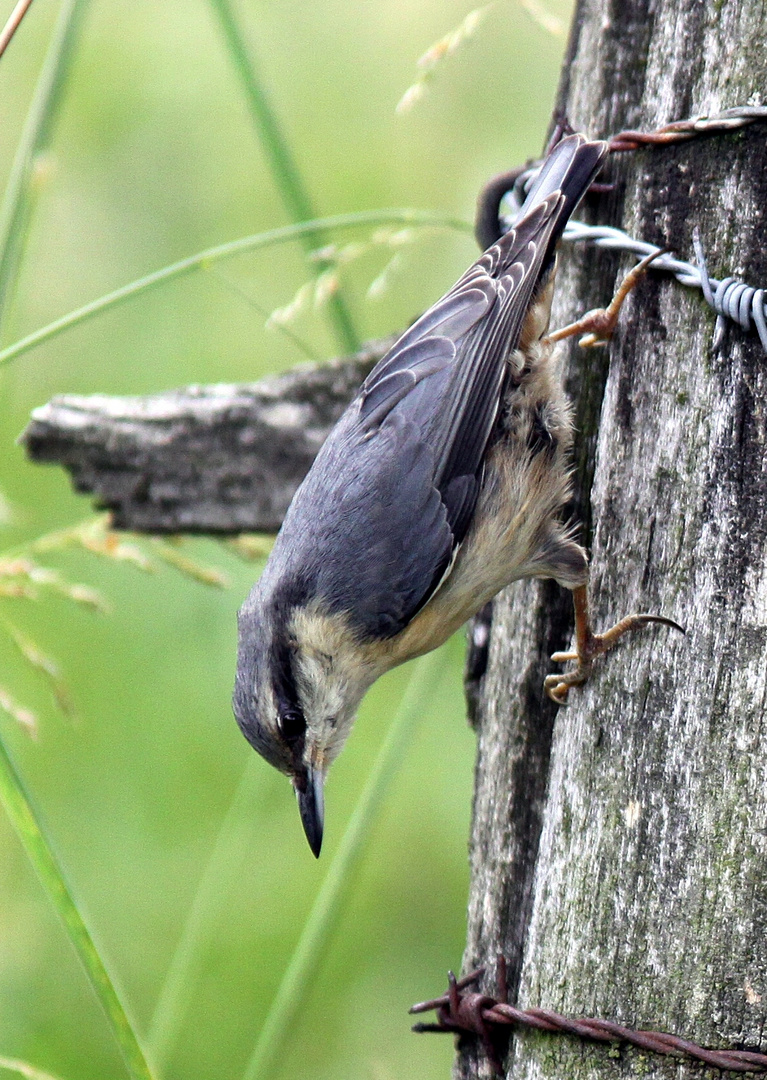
[[398, 478], [367, 530], [446, 374]]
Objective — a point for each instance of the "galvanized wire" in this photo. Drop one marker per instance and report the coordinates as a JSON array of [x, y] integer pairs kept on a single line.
[[731, 298]]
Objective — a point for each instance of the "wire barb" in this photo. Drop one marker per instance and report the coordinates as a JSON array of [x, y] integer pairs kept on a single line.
[[731, 299], [462, 1010]]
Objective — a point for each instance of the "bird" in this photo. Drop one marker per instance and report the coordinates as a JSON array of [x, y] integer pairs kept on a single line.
[[443, 481]]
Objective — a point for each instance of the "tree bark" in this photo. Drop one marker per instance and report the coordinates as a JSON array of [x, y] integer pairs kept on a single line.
[[619, 848], [213, 459]]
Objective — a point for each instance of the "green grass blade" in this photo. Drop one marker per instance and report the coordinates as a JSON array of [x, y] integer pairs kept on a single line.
[[281, 161], [322, 918], [17, 205], [183, 973], [225, 251], [27, 824], [23, 1068], [234, 287]]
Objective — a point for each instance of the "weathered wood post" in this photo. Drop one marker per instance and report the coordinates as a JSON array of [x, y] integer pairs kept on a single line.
[[619, 846]]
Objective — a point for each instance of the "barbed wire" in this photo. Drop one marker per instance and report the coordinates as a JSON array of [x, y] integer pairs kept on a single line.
[[682, 130], [462, 1010], [731, 299]]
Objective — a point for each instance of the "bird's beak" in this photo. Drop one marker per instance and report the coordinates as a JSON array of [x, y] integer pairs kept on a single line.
[[311, 805]]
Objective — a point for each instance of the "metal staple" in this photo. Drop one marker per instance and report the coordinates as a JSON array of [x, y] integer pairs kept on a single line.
[[730, 298]]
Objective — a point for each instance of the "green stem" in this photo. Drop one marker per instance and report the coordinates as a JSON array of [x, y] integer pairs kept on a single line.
[[26, 821], [224, 251], [183, 973], [14, 22], [282, 163], [318, 927], [18, 201], [281, 328]]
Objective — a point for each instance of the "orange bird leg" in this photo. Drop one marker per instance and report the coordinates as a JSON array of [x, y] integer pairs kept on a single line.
[[597, 326], [588, 645]]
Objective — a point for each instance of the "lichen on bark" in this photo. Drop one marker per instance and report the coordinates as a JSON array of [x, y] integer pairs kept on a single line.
[[618, 851]]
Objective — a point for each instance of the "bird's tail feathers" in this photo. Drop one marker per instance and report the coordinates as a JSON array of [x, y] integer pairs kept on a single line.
[[569, 169], [567, 172]]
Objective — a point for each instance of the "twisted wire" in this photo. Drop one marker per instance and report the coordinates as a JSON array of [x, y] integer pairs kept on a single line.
[[731, 299], [462, 1010]]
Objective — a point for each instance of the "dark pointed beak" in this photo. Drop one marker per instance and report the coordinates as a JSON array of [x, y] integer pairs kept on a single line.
[[311, 805]]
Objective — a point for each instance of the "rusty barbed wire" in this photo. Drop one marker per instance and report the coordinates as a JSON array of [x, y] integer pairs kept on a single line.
[[731, 299], [692, 128], [679, 131], [462, 1011]]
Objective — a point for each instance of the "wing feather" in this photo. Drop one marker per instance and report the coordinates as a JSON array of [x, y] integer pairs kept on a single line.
[[398, 478], [484, 311]]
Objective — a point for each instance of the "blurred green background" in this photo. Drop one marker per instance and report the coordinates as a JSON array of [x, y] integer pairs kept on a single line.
[[154, 157]]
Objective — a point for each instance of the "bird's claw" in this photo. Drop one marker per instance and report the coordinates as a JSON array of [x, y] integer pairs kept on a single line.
[[590, 646], [557, 685], [597, 326], [563, 657]]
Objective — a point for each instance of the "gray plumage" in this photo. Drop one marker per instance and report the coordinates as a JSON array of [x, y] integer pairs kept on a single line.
[[442, 482]]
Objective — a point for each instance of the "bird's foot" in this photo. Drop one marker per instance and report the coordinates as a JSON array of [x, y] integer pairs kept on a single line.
[[597, 326], [589, 646]]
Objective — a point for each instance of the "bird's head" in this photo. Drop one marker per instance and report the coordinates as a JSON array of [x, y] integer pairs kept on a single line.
[[301, 674]]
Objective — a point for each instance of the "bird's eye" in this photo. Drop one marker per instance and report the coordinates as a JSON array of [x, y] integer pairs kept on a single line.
[[292, 724]]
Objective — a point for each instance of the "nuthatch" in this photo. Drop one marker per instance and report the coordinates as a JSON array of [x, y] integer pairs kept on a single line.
[[443, 481]]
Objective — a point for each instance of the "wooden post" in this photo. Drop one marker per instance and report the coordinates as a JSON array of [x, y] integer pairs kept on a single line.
[[619, 845]]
